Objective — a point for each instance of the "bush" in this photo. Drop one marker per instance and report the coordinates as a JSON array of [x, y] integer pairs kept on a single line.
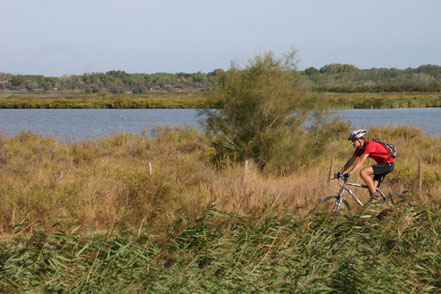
[[259, 113]]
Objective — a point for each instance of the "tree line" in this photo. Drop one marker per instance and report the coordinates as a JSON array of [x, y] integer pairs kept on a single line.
[[349, 79], [114, 81], [342, 78]]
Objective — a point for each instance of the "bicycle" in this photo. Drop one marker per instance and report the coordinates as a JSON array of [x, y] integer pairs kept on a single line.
[[325, 205]]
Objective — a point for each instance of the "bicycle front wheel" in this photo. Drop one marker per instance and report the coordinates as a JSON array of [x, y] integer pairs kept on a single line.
[[333, 204]]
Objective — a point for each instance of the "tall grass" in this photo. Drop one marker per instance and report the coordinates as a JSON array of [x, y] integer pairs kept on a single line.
[[372, 252], [88, 217], [105, 101], [382, 100], [203, 100], [106, 182]]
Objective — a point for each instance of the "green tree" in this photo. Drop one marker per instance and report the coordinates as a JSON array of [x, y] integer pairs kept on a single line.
[[17, 82], [311, 71], [434, 70], [338, 68], [259, 112]]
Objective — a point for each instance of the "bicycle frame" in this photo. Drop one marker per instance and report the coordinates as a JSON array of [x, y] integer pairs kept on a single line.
[[340, 199], [345, 187]]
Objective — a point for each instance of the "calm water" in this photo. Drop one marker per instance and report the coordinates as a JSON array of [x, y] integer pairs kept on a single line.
[[72, 124]]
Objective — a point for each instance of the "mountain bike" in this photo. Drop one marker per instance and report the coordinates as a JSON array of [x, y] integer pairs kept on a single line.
[[333, 203]]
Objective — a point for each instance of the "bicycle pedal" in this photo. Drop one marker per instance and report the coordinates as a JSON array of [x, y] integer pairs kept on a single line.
[[374, 199]]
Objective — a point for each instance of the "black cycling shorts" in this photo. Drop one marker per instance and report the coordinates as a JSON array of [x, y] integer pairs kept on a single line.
[[381, 170]]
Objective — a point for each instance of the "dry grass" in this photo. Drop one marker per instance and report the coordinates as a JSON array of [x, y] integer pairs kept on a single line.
[[101, 184]]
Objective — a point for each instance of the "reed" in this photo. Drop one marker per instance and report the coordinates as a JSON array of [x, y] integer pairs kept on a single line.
[[371, 252], [89, 217], [104, 101], [381, 100], [204, 100]]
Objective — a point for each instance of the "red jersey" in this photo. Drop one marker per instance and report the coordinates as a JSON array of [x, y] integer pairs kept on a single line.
[[376, 151]]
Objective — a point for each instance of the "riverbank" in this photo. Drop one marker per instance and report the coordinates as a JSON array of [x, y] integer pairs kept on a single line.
[[381, 100], [205, 100], [143, 213], [104, 101]]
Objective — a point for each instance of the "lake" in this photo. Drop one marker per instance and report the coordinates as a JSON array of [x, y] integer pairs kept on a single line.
[[78, 124]]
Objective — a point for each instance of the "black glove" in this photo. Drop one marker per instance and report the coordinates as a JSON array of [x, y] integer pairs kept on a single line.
[[346, 175], [338, 175]]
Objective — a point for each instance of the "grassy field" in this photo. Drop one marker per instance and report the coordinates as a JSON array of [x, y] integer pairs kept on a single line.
[[382, 100], [89, 217], [104, 101], [205, 100]]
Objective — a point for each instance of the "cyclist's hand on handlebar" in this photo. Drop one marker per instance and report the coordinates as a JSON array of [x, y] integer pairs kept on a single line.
[[338, 175], [346, 175]]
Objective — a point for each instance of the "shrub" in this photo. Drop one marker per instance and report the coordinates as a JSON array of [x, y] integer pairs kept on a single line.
[[259, 114]]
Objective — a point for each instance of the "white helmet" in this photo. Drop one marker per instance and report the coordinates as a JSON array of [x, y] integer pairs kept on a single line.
[[357, 134]]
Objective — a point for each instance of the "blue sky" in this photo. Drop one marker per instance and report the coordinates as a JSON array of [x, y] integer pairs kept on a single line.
[[56, 37]]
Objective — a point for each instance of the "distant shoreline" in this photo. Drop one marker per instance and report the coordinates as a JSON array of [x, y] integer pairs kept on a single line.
[[199, 100]]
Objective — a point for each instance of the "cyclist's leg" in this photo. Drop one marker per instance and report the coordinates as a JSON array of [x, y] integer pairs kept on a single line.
[[366, 174], [378, 179], [380, 172]]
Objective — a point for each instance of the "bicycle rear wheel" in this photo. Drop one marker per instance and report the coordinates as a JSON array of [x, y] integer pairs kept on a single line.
[[333, 204]]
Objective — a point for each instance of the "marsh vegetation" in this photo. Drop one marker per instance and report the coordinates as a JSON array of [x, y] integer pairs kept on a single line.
[[225, 210], [89, 215]]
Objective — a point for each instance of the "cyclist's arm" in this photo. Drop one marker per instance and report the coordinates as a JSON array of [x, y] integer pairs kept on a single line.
[[359, 163], [348, 164]]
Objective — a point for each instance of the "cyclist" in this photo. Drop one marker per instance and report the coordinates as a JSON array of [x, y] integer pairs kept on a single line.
[[363, 149]]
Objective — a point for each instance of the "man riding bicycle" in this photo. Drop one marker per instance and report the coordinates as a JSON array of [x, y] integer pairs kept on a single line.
[[366, 148]]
